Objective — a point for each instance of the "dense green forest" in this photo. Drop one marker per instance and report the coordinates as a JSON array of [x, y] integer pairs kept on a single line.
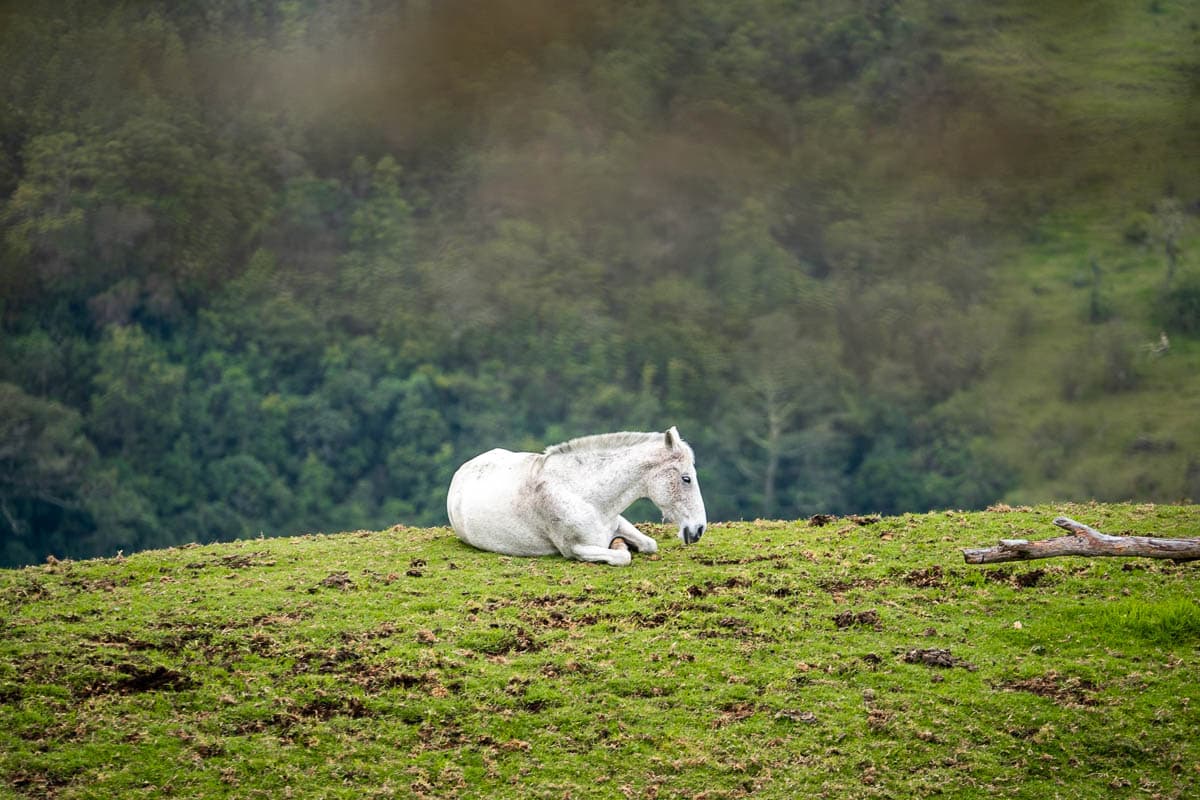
[[277, 266]]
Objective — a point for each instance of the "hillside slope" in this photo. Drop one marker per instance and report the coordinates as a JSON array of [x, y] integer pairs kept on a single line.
[[774, 660], [1091, 408], [1084, 402]]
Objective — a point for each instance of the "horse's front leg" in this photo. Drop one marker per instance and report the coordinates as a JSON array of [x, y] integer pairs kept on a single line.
[[578, 530], [590, 552], [633, 536]]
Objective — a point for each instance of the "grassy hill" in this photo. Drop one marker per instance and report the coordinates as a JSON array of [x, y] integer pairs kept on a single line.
[[1080, 406], [1088, 409], [861, 658]]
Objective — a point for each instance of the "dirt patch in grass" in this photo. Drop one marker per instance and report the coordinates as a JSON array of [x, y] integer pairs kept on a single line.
[[28, 589], [1027, 580], [710, 587], [135, 678], [821, 520], [927, 578], [936, 657], [336, 580], [796, 715], [328, 661], [550, 601], [235, 561], [1069, 692], [330, 706], [730, 627], [89, 585], [734, 712], [443, 735], [124, 640], [556, 619], [779, 558], [840, 586], [554, 612], [848, 619], [284, 618], [38, 783], [285, 723], [1022, 580], [640, 619]]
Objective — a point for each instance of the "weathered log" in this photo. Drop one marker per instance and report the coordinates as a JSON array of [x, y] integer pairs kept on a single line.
[[1085, 541]]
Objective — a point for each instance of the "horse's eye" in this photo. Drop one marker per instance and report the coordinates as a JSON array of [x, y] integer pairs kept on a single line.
[[687, 478]]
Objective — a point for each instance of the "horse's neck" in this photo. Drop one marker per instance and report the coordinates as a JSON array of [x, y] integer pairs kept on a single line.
[[610, 480]]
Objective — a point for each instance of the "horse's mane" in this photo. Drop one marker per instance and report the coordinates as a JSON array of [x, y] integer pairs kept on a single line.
[[602, 441]]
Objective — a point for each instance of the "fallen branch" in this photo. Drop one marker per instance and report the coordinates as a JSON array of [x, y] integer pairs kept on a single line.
[[1085, 541]]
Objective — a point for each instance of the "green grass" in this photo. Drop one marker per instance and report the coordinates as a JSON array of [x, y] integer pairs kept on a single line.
[[775, 659], [1057, 415], [1167, 621]]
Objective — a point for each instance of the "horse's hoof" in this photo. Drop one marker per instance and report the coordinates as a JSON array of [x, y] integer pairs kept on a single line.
[[619, 543]]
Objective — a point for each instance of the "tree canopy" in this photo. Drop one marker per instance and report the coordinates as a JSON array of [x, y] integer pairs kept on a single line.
[[270, 267]]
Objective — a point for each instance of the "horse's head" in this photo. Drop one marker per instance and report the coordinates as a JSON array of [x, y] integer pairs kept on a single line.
[[675, 489]]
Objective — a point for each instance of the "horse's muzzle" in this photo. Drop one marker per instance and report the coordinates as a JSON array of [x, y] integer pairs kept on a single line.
[[691, 535]]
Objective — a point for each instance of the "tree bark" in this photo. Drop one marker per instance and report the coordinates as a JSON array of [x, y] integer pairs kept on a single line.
[[1085, 541]]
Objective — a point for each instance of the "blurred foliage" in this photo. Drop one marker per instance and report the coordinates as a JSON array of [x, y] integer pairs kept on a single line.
[[278, 266]]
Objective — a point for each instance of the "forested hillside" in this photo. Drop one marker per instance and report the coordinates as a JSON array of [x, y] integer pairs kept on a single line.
[[277, 266]]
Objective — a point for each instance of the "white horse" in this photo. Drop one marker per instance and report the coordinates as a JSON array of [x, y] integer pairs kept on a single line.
[[569, 499]]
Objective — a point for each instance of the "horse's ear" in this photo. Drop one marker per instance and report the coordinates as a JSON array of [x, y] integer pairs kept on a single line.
[[672, 438]]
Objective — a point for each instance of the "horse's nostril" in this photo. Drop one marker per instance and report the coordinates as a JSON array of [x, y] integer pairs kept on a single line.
[[699, 532]]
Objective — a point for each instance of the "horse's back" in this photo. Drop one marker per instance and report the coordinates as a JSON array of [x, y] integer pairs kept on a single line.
[[490, 504]]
